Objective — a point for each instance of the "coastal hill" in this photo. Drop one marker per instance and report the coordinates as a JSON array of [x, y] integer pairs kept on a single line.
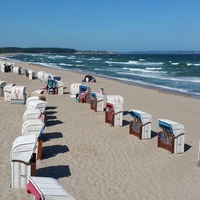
[[4, 50]]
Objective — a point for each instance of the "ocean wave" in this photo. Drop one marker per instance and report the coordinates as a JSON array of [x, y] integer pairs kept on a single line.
[[64, 64], [153, 68], [94, 59], [130, 62], [145, 70], [175, 63], [80, 65], [156, 86], [194, 64], [159, 77], [71, 57]]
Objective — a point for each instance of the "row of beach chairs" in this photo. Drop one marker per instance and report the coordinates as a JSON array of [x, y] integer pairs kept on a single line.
[[171, 136], [27, 148]]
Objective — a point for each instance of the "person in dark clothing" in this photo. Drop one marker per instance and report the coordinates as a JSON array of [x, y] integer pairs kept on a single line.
[[89, 78]]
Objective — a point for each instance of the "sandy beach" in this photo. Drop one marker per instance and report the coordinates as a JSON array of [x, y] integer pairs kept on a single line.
[[94, 161]]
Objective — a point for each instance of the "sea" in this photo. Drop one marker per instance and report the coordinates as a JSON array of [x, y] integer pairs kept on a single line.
[[175, 72]]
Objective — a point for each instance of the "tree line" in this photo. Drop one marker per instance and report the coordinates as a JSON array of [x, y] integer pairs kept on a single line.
[[36, 50]]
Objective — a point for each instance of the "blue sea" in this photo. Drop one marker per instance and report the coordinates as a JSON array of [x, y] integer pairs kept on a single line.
[[179, 73]]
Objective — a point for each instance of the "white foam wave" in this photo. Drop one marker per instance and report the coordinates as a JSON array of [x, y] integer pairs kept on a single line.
[[94, 59], [97, 69], [71, 57], [64, 64], [158, 76], [153, 68], [156, 86], [131, 62], [175, 63], [194, 64], [79, 65], [143, 70]]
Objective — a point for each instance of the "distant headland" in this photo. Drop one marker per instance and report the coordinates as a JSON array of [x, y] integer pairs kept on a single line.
[[8, 50]]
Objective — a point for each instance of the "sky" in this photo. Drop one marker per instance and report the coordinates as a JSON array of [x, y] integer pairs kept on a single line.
[[104, 25]]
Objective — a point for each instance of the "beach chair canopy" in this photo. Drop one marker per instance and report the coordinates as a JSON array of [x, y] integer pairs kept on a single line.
[[23, 147], [97, 96], [32, 114], [84, 88], [89, 78], [174, 127], [115, 99], [17, 92], [114, 106], [35, 126], [142, 116], [2, 84], [37, 104], [7, 88], [31, 98]]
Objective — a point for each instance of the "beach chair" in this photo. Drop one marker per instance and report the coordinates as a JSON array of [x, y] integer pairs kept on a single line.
[[46, 188], [7, 67], [52, 86], [23, 160], [18, 94], [74, 89], [34, 127], [2, 85], [32, 114], [114, 114], [115, 99], [171, 136], [17, 70], [84, 94], [97, 102], [29, 73], [7, 91], [140, 126], [40, 75]]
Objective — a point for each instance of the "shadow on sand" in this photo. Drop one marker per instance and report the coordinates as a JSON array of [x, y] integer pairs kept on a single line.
[[51, 151], [53, 122], [56, 172], [48, 136]]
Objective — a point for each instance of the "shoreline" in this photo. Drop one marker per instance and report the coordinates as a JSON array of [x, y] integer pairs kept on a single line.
[[164, 90]]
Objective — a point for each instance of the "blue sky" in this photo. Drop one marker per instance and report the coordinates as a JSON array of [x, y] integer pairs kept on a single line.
[[110, 25]]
